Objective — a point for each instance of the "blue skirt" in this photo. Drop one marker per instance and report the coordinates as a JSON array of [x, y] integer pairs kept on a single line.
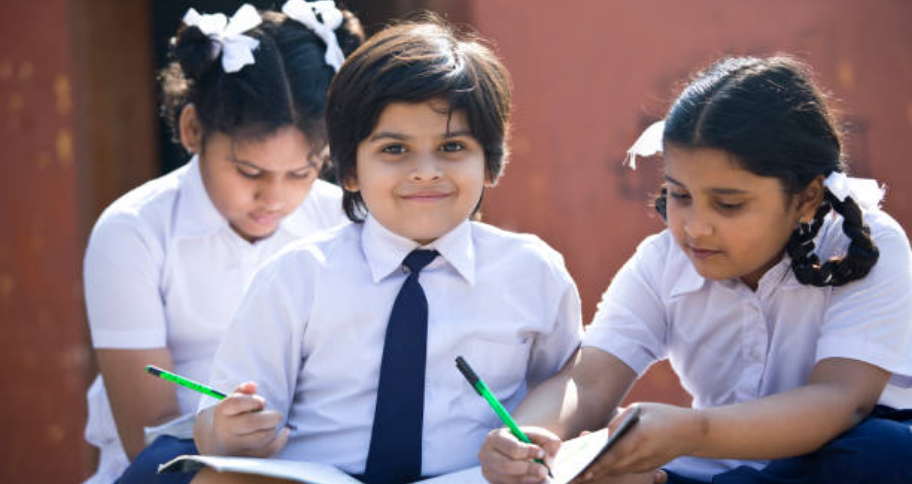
[[144, 469], [878, 450]]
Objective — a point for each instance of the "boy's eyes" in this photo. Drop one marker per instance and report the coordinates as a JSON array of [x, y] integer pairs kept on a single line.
[[395, 149], [446, 147], [452, 146]]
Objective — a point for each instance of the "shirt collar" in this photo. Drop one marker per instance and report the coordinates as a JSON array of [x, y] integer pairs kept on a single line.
[[196, 214], [689, 280], [385, 250], [780, 276], [297, 223]]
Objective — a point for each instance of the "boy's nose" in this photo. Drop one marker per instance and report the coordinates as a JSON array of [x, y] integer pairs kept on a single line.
[[426, 168]]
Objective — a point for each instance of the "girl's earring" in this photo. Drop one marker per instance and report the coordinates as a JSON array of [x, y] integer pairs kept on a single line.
[[804, 229]]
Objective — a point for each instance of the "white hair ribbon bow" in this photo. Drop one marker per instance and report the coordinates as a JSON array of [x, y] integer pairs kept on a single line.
[[228, 36], [649, 143], [865, 191], [306, 13]]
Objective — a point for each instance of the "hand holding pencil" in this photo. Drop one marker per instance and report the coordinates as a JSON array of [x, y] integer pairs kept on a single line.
[[239, 425]]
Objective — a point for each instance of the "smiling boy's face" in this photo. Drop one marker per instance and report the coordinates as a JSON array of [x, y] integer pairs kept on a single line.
[[420, 172]]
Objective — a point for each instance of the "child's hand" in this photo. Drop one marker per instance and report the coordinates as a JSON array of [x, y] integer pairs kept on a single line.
[[663, 433], [240, 425], [506, 460]]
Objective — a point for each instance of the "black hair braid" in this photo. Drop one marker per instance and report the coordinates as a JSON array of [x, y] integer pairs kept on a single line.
[[861, 256], [800, 247]]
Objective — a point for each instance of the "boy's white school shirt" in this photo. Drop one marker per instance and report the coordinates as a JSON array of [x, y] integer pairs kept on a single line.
[[164, 269], [729, 344], [312, 326]]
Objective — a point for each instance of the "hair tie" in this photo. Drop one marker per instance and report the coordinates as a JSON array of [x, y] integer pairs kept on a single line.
[[306, 13], [648, 144], [865, 191], [228, 36]]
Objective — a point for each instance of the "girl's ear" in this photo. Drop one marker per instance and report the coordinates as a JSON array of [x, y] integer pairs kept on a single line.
[[810, 199], [191, 132]]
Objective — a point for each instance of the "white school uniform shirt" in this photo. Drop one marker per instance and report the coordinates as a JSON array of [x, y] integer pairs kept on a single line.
[[729, 344], [164, 269], [311, 332]]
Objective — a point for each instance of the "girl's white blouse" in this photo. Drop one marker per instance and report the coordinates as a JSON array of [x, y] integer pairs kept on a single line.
[[729, 344], [164, 269]]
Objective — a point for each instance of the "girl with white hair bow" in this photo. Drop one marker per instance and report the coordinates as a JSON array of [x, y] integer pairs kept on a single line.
[[166, 263]]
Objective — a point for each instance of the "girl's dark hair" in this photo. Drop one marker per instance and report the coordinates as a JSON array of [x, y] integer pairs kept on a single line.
[[285, 86], [414, 62], [771, 116]]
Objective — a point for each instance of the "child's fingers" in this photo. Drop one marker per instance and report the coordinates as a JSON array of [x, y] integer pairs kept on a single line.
[[503, 470], [238, 403], [508, 445], [253, 422], [247, 388], [278, 443], [505, 460]]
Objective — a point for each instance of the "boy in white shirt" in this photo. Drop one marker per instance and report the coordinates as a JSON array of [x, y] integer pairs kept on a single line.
[[417, 121]]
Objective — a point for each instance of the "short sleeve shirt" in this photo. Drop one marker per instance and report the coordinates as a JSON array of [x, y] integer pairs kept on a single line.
[[164, 269], [730, 344], [311, 333]]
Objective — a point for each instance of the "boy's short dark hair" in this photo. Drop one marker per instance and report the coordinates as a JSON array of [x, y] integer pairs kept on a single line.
[[414, 62]]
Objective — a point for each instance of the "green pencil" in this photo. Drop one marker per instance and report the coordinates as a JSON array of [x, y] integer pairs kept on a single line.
[[499, 409], [184, 382]]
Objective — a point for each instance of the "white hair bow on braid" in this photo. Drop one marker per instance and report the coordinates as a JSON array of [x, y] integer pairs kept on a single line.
[[228, 36], [866, 192], [306, 13], [648, 144]]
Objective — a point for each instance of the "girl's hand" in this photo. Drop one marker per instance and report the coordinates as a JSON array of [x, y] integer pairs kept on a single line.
[[240, 425], [663, 433], [506, 460]]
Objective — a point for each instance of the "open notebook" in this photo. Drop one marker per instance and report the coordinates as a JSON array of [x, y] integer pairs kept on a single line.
[[574, 456]]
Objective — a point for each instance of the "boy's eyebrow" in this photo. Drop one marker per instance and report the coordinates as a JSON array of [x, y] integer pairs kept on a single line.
[[402, 137], [387, 134], [717, 191]]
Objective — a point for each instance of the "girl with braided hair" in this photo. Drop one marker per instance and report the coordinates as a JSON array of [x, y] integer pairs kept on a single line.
[[780, 293]]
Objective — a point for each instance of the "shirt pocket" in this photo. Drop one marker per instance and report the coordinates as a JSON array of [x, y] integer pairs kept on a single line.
[[501, 364]]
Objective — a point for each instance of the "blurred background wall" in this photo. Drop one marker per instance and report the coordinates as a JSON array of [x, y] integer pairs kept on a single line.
[[78, 127]]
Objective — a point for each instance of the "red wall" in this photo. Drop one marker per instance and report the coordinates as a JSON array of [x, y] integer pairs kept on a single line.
[[43, 346], [590, 74]]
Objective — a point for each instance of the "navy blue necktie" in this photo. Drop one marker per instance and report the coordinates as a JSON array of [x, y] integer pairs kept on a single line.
[[395, 446]]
